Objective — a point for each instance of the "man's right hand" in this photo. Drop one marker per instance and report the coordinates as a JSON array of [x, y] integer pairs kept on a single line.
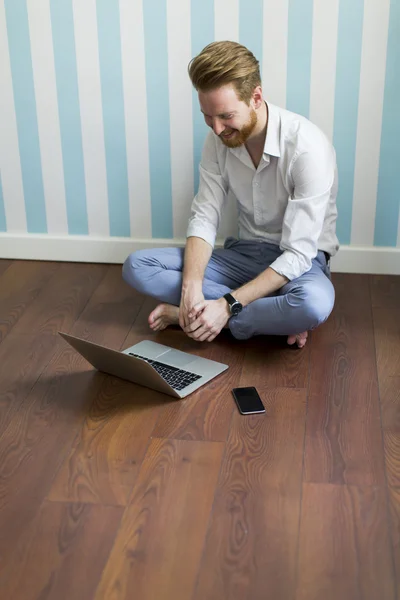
[[190, 297]]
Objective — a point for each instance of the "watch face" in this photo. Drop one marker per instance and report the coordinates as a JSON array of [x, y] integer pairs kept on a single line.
[[236, 308]]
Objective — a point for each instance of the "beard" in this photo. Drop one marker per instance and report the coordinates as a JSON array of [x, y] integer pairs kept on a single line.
[[240, 136]]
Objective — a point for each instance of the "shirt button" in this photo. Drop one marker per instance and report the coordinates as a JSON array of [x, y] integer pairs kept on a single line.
[[256, 184]]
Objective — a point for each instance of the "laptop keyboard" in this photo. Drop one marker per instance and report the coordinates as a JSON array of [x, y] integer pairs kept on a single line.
[[176, 378]]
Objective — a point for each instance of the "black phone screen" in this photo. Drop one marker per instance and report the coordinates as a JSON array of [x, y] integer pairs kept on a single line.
[[248, 400]]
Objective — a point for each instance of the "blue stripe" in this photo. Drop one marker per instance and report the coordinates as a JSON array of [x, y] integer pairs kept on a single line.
[[251, 27], [300, 32], [388, 200], [348, 66], [3, 221], [25, 108], [202, 33], [70, 117], [156, 47], [108, 21]]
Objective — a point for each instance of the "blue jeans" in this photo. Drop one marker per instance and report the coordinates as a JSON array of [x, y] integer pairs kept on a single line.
[[300, 305]]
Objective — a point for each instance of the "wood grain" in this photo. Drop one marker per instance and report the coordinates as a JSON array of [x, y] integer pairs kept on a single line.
[[385, 291], [20, 284], [162, 533], [251, 547], [343, 435], [272, 362], [344, 545], [22, 359], [106, 456], [110, 312], [62, 554], [4, 264], [394, 499], [62, 300], [376, 573], [389, 388], [387, 341], [328, 566], [39, 437]]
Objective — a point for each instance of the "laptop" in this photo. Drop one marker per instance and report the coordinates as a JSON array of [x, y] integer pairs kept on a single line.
[[153, 365]]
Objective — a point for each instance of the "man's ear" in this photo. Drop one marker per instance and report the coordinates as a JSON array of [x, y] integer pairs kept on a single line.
[[257, 98]]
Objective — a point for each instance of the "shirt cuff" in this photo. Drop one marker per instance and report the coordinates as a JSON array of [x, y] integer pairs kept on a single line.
[[290, 265], [205, 231]]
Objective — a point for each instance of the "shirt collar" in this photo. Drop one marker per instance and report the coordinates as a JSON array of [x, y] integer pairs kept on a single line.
[[272, 146]]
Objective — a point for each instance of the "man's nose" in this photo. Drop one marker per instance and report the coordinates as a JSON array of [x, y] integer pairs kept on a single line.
[[218, 127]]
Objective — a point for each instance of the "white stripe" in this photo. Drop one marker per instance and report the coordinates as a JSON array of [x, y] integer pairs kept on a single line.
[[226, 13], [275, 39], [44, 78], [135, 97], [372, 86], [323, 65], [181, 113], [10, 163], [87, 62]]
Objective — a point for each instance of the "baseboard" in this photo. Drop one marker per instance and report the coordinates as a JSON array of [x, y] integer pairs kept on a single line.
[[350, 259]]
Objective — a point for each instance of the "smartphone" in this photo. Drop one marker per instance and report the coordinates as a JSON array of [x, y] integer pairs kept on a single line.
[[248, 401]]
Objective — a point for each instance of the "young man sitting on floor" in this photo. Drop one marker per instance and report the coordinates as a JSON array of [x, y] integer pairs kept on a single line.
[[274, 279]]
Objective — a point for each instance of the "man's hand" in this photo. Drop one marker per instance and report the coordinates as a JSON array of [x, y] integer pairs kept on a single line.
[[210, 317], [190, 297]]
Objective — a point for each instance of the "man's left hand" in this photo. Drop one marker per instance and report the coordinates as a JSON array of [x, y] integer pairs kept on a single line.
[[214, 315]]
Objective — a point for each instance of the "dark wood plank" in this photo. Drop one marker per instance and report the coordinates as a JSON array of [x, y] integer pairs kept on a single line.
[[62, 554], [272, 362], [22, 360], [110, 312], [389, 388], [106, 456], [62, 300], [394, 499], [344, 547], [387, 341], [385, 291], [162, 533], [104, 461], [38, 439], [343, 435], [376, 572], [251, 547], [20, 284], [4, 264]]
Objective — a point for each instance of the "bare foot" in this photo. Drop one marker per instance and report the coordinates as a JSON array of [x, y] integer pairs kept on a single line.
[[162, 316], [300, 338]]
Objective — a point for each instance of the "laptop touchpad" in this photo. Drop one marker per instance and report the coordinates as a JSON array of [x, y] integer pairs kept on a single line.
[[176, 358]]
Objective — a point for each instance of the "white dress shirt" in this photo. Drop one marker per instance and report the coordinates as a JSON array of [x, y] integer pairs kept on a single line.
[[289, 200]]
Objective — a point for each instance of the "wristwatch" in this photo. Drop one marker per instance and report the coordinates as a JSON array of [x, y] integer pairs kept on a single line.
[[234, 305]]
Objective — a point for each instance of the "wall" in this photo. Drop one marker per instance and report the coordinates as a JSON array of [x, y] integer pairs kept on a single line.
[[101, 132]]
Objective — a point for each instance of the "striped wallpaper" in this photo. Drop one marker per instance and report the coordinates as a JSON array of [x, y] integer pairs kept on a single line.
[[101, 132]]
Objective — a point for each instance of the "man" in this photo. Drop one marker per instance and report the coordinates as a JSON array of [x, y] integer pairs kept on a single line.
[[274, 279]]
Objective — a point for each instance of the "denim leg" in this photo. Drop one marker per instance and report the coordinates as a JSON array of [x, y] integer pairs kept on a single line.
[[301, 305], [158, 272]]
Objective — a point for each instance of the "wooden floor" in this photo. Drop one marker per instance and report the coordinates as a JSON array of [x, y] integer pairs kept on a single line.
[[112, 491]]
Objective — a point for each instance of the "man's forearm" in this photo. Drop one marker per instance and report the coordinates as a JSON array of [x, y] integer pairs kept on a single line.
[[268, 282], [197, 255]]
